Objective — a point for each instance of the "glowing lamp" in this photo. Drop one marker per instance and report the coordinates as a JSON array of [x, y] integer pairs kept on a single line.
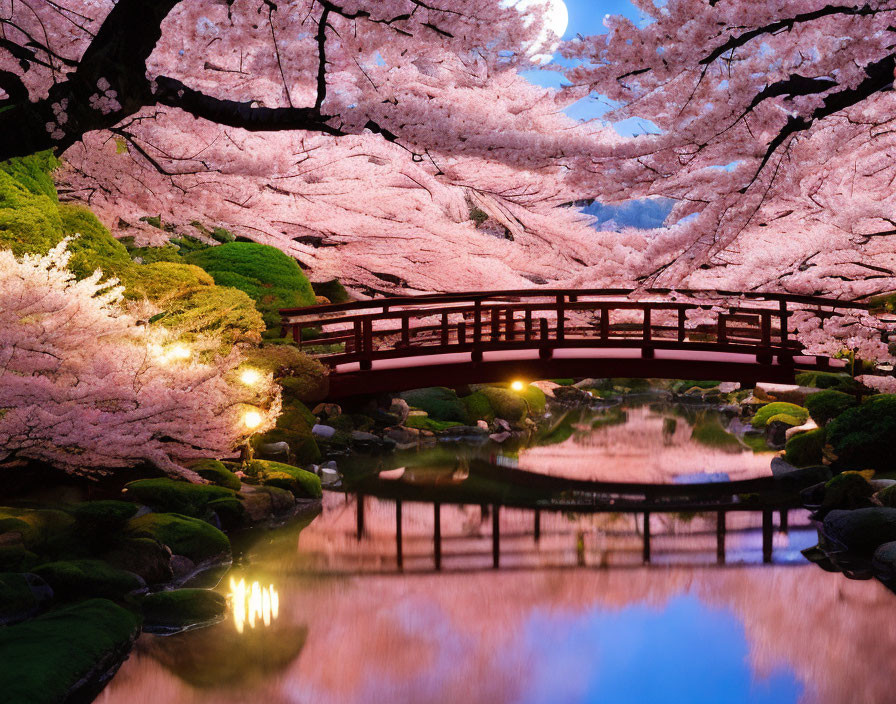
[[252, 419], [179, 352], [517, 385], [250, 377]]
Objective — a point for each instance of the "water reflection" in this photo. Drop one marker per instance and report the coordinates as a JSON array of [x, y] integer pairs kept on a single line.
[[252, 603]]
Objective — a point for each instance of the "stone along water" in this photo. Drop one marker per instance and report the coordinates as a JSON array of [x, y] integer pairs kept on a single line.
[[573, 617]]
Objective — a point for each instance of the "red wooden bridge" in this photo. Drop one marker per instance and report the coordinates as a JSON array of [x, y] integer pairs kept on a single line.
[[394, 344]]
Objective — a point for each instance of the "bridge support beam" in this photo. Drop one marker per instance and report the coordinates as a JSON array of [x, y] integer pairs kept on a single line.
[[360, 515], [437, 534], [496, 536], [784, 523], [537, 527], [399, 552], [646, 554], [721, 529], [767, 533]]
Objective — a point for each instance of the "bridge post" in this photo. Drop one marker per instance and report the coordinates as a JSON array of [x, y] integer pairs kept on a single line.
[[561, 317], [647, 351], [646, 554], [367, 347], [545, 351], [399, 552], [444, 329], [682, 317], [360, 515], [604, 322], [766, 328], [437, 534], [784, 522], [496, 535], [721, 529], [722, 334], [406, 330], [358, 339], [537, 527], [528, 325], [495, 319], [782, 307], [477, 330], [462, 333], [509, 321], [767, 515]]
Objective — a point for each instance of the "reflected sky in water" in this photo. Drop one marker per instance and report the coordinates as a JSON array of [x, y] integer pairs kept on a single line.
[[685, 651]]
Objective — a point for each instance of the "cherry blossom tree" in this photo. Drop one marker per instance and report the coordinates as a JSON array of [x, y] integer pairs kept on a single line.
[[86, 388], [774, 137]]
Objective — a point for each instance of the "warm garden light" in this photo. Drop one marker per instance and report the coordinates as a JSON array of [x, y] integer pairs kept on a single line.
[[250, 377], [178, 352], [251, 603], [252, 419], [517, 385]]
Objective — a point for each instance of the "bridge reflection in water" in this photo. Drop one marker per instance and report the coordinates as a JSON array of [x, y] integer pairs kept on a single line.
[[509, 518], [392, 344]]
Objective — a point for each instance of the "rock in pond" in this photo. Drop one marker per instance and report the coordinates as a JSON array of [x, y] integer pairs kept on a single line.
[[22, 596], [862, 530], [884, 563], [400, 409], [169, 495], [198, 540], [179, 610], [323, 431], [144, 557], [66, 655], [74, 579]]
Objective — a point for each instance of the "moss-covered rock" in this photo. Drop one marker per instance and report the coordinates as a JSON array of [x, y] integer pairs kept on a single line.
[[805, 449], [848, 490], [438, 402], [301, 483], [887, 497], [271, 278], [509, 405], [294, 428], [105, 514], [421, 422], [17, 558], [67, 654], [478, 407], [827, 380], [77, 579], [21, 596], [41, 530], [172, 496], [145, 557], [709, 431], [790, 413], [183, 535], [824, 406], [332, 290], [181, 610], [215, 472], [862, 437]]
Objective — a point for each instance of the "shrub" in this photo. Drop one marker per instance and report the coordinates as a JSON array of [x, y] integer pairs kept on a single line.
[[770, 410], [302, 378], [805, 449], [215, 472], [284, 476], [271, 278], [849, 490], [478, 407], [862, 436], [824, 406], [827, 380], [332, 290]]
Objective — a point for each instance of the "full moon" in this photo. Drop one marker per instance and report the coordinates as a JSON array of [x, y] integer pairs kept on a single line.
[[556, 20]]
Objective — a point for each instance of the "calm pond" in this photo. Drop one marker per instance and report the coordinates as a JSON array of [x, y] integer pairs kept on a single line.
[[319, 616]]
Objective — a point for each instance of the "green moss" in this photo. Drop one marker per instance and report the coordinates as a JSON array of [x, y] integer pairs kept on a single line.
[[270, 277], [509, 405], [756, 442], [427, 423], [183, 535], [478, 407], [302, 378], [300, 482], [438, 402], [182, 608], [169, 495], [887, 496], [848, 490], [805, 449], [17, 599], [163, 282], [332, 290], [770, 410], [16, 558], [151, 255], [215, 472], [75, 579], [294, 428], [105, 514], [862, 437], [45, 658], [827, 380], [29, 221], [39, 528], [786, 418], [824, 406], [94, 247]]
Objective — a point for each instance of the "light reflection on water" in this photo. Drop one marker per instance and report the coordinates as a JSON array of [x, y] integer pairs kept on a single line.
[[251, 603]]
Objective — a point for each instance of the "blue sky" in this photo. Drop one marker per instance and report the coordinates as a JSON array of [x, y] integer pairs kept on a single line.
[[587, 17]]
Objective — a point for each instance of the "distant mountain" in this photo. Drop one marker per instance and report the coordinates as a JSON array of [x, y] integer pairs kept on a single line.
[[644, 214]]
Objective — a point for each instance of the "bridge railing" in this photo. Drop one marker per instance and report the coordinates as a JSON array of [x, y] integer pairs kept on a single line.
[[551, 319]]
